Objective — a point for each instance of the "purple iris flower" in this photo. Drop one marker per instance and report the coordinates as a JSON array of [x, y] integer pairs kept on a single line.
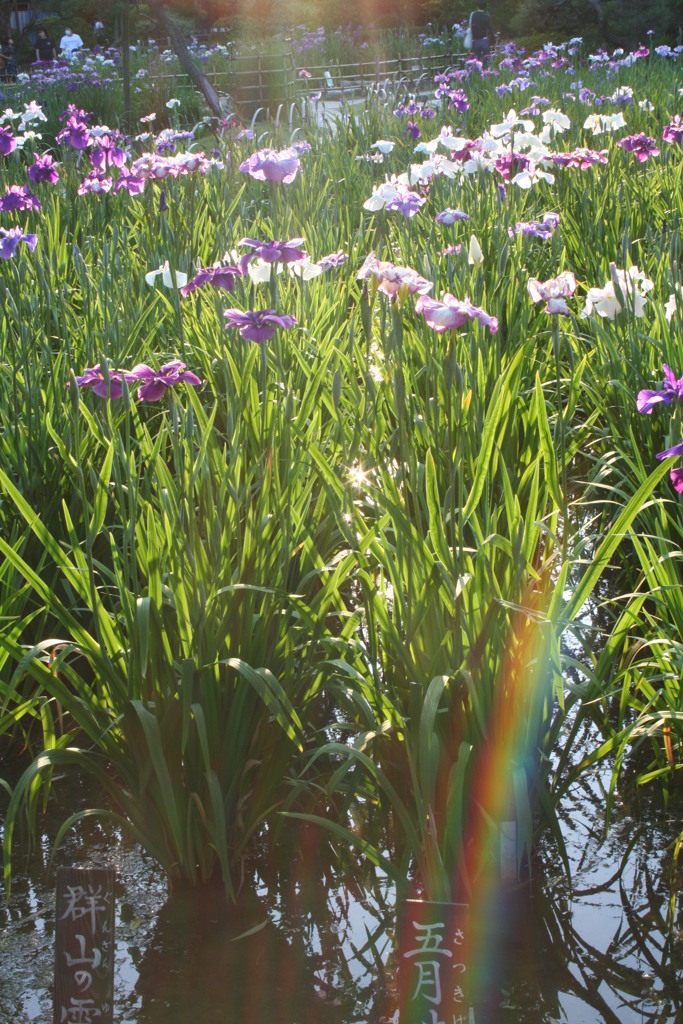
[[155, 383], [44, 169], [672, 133], [671, 390], [271, 165], [641, 145], [95, 379], [272, 252], [413, 130], [406, 202], [458, 100], [217, 276], [676, 477], [258, 325], [669, 453], [7, 141], [18, 198], [75, 132], [511, 163], [9, 240], [580, 157], [452, 313], [450, 217], [107, 154], [543, 229], [133, 184]]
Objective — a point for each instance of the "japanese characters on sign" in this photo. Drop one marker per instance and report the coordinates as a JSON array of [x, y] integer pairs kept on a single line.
[[433, 963], [84, 951]]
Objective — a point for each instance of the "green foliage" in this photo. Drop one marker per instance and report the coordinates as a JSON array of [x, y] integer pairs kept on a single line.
[[340, 573]]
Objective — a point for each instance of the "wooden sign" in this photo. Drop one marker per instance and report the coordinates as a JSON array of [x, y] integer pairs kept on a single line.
[[433, 958], [84, 951]]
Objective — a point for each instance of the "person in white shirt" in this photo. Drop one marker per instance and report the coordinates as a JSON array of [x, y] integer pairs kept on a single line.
[[70, 42]]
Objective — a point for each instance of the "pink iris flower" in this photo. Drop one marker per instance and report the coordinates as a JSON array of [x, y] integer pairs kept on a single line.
[[451, 313], [271, 165]]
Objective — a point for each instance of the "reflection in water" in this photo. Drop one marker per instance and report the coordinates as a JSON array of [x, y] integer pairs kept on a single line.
[[310, 941]]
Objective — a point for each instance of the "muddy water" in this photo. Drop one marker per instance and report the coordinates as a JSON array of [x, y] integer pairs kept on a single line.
[[310, 943]]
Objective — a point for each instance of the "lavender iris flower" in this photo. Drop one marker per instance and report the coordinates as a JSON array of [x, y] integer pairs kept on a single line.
[[19, 198], [671, 391], [217, 276], [450, 217], [452, 313], [9, 240], [44, 169], [258, 325], [271, 165], [543, 229], [406, 202], [155, 383]]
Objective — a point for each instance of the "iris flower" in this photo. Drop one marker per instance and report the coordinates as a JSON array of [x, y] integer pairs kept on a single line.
[[270, 165], [94, 378], [155, 383], [7, 141], [257, 325], [553, 292], [451, 313], [391, 279], [166, 276], [674, 131], [671, 391], [641, 145], [272, 252], [217, 276], [450, 217], [10, 239], [44, 169], [631, 283], [18, 197]]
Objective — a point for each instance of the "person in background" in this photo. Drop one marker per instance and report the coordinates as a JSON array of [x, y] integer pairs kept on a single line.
[[483, 36], [10, 55], [70, 42], [99, 33], [45, 48]]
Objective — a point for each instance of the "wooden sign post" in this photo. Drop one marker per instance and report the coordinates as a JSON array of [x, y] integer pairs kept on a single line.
[[433, 959], [84, 949]]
